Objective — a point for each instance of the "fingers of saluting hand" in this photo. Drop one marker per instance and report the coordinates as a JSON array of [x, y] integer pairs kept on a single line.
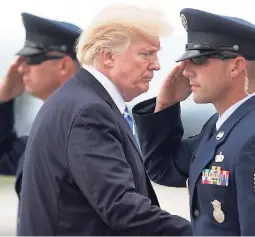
[[177, 72]]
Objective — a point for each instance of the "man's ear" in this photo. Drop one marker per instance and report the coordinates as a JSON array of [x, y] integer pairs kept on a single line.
[[238, 66], [108, 59], [64, 66]]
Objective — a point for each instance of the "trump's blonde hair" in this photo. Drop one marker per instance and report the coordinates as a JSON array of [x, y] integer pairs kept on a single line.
[[115, 26]]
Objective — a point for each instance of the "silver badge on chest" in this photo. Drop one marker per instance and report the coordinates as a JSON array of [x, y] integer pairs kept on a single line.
[[218, 214]]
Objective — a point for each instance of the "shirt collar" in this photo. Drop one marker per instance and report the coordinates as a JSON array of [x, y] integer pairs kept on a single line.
[[109, 87], [230, 111]]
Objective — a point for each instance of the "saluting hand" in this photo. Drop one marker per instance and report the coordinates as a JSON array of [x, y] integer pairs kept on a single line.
[[12, 85], [175, 88]]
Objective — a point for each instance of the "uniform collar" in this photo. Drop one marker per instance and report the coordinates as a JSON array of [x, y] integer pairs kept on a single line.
[[230, 111]]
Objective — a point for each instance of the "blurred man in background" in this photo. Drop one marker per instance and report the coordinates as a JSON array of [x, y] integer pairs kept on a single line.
[[45, 62]]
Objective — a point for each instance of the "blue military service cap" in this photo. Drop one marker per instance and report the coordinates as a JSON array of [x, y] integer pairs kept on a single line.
[[209, 33], [44, 35]]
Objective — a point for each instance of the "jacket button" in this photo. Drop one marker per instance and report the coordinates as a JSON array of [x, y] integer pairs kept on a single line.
[[196, 212]]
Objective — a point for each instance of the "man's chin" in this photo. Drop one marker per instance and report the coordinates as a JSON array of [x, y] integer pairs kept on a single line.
[[146, 87], [30, 91], [199, 100]]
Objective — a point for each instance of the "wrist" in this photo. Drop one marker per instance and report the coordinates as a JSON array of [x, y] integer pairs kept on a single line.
[[163, 105]]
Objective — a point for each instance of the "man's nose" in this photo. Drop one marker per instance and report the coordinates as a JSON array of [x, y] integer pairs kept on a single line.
[[155, 65], [188, 72], [23, 68]]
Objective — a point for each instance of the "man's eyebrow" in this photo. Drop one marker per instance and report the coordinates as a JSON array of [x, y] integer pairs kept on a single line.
[[154, 49]]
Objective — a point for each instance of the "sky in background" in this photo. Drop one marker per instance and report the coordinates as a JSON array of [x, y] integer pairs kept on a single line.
[[81, 12]]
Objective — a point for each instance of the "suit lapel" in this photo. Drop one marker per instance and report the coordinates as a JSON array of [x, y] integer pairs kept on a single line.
[[91, 81], [207, 148]]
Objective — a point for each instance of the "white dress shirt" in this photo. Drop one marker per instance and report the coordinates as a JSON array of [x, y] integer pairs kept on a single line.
[[109, 87], [230, 111]]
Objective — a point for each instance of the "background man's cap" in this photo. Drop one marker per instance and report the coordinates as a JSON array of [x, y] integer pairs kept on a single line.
[[209, 33], [44, 35]]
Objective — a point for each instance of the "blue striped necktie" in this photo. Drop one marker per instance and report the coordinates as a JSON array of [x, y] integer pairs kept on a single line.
[[128, 118], [130, 123]]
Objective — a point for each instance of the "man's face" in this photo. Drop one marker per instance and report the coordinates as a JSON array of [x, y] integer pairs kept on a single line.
[[209, 81], [133, 68], [40, 79]]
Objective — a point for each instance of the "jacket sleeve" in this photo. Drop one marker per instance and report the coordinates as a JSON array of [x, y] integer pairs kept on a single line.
[[245, 187], [99, 167], [11, 146], [167, 156]]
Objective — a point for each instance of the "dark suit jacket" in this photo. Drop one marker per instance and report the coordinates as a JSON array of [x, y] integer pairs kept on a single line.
[[83, 171], [170, 160]]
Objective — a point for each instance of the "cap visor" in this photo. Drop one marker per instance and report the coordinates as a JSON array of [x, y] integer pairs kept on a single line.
[[26, 51], [194, 54], [189, 54]]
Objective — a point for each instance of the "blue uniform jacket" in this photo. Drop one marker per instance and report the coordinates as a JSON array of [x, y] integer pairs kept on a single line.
[[219, 165]]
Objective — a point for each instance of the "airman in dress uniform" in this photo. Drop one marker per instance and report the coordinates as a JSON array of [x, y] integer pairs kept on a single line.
[[45, 62], [218, 67]]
